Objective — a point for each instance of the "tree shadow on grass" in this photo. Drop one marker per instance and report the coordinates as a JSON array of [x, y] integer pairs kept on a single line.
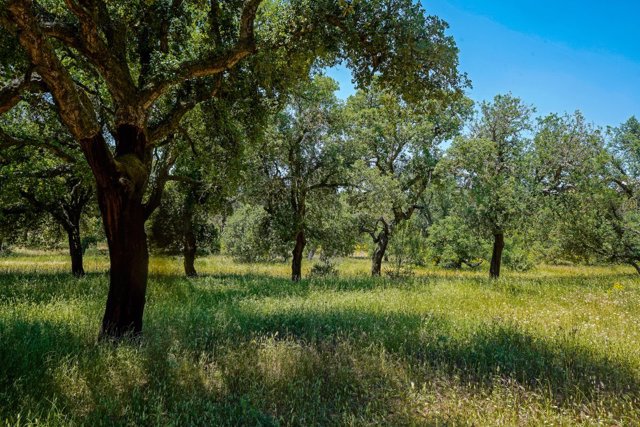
[[290, 365], [556, 363], [28, 349], [43, 287], [359, 363], [302, 367]]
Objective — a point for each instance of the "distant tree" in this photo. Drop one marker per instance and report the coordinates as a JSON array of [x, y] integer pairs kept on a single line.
[[567, 169], [623, 174], [452, 243], [212, 134], [488, 166], [303, 162], [249, 237], [42, 172], [398, 144]]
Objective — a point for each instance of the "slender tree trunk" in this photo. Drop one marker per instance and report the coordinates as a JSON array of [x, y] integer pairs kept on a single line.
[[636, 266], [496, 256], [296, 262], [75, 250], [189, 237], [379, 253], [189, 249]]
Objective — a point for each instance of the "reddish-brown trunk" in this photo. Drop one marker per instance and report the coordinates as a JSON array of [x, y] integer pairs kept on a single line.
[[124, 225], [496, 256], [121, 184], [296, 262]]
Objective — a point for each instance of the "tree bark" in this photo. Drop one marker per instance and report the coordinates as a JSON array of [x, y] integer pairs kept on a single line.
[[75, 250], [124, 226], [379, 253], [296, 262], [121, 184], [496, 256]]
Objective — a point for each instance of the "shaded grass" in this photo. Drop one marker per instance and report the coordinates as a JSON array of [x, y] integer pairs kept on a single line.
[[556, 346]]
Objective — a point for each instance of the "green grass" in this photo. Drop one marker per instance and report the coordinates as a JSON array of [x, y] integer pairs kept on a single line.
[[241, 345]]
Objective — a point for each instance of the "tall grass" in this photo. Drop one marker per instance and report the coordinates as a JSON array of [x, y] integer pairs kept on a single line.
[[241, 345]]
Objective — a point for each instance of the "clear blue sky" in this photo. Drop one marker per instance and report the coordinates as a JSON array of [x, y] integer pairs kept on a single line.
[[559, 55]]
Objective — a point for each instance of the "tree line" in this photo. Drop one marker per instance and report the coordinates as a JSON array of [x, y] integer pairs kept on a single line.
[[211, 121]]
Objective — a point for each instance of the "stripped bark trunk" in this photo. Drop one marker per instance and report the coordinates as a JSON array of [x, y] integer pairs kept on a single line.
[[120, 191]]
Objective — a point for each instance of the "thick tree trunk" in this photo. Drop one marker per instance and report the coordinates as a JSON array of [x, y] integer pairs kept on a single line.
[[124, 225], [496, 256], [296, 262], [75, 250], [379, 254], [121, 186]]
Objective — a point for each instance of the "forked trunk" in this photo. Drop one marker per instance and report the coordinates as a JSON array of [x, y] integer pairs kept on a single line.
[[296, 262], [75, 250], [379, 253], [496, 256]]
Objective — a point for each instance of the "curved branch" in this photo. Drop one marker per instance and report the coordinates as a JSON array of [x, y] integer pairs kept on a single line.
[[75, 107], [7, 141], [12, 93], [244, 47]]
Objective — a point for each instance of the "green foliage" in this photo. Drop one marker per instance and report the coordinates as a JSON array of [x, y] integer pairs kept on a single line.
[[398, 146], [297, 170], [168, 224], [519, 255], [452, 244], [325, 268], [488, 166], [249, 237], [408, 246]]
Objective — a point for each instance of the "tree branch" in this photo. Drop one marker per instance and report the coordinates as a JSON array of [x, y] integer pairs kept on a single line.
[[12, 93], [168, 160], [75, 107], [7, 141], [244, 47], [114, 71]]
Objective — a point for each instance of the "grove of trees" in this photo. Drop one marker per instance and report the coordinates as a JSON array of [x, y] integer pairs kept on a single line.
[[210, 126]]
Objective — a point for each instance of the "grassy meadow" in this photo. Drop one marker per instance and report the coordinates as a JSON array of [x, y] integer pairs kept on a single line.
[[242, 345]]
